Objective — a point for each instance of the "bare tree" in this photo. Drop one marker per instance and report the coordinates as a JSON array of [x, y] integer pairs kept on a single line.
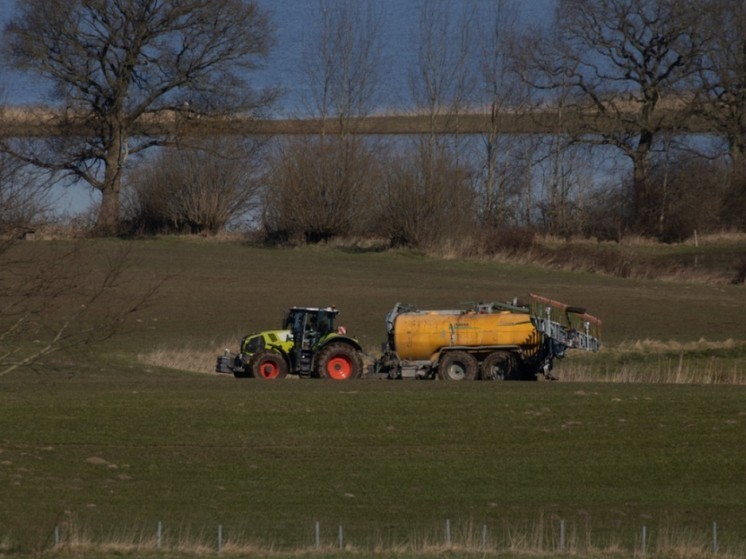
[[320, 186], [25, 192], [117, 63], [343, 61], [505, 96], [195, 189], [723, 86], [723, 74], [627, 61], [566, 180], [565, 175], [25, 197], [442, 80], [428, 197], [680, 180], [414, 210]]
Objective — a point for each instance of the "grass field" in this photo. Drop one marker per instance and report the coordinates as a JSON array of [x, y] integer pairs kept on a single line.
[[108, 443]]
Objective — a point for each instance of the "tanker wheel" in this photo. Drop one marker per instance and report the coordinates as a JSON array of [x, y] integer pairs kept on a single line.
[[339, 362], [499, 365], [268, 365], [458, 365]]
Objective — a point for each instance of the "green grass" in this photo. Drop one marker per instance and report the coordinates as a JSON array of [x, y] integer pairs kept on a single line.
[[400, 457], [105, 446]]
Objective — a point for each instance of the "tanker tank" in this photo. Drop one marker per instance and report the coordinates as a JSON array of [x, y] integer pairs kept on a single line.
[[420, 335]]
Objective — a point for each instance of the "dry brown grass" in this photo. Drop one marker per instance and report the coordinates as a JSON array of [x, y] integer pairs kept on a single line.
[[719, 237], [665, 362], [189, 358], [668, 371], [658, 362], [627, 260], [632, 257], [538, 540]]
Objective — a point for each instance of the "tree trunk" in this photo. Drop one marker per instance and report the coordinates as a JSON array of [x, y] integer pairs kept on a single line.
[[643, 199], [737, 148], [107, 223], [734, 204], [490, 217]]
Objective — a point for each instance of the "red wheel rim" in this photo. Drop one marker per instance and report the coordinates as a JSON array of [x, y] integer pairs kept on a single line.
[[269, 369], [339, 368]]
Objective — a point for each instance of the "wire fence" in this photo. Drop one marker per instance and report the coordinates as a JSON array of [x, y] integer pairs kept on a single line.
[[555, 537]]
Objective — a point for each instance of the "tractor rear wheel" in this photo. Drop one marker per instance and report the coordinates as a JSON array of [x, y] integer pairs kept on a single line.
[[268, 365], [339, 361], [458, 365], [498, 365]]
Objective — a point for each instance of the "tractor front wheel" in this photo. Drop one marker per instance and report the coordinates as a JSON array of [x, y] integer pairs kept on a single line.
[[339, 362], [268, 365]]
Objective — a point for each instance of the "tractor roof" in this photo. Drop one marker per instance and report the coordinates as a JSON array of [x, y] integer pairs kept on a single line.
[[331, 309]]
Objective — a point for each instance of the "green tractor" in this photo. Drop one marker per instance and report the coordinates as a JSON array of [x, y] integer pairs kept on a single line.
[[308, 345]]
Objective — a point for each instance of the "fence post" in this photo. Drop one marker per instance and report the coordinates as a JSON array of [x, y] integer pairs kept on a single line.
[[644, 537], [484, 537], [341, 538], [714, 537], [562, 537], [318, 535], [448, 532], [159, 535], [56, 536], [220, 538]]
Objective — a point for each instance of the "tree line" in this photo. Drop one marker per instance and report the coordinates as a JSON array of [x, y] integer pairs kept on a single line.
[[635, 71]]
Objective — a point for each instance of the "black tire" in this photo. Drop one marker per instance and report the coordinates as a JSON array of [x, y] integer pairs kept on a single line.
[[240, 369], [268, 365], [458, 365], [339, 361], [499, 365]]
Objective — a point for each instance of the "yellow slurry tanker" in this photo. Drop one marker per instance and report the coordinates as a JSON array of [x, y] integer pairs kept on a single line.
[[491, 341]]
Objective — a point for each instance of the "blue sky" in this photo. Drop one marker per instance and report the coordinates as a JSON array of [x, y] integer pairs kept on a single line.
[[292, 19]]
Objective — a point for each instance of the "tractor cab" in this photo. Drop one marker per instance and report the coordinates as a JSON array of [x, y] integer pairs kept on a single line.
[[308, 326], [310, 319]]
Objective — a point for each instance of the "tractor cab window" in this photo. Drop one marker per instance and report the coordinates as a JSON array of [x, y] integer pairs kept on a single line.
[[303, 327], [305, 322], [294, 321], [325, 322]]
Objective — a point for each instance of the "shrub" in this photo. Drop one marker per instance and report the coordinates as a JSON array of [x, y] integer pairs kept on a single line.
[[425, 201], [195, 189], [319, 188], [24, 197]]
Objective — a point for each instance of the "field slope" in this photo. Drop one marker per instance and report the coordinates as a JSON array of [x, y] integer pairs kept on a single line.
[[105, 445]]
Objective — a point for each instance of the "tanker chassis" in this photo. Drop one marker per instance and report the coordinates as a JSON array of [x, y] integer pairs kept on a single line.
[[489, 341]]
